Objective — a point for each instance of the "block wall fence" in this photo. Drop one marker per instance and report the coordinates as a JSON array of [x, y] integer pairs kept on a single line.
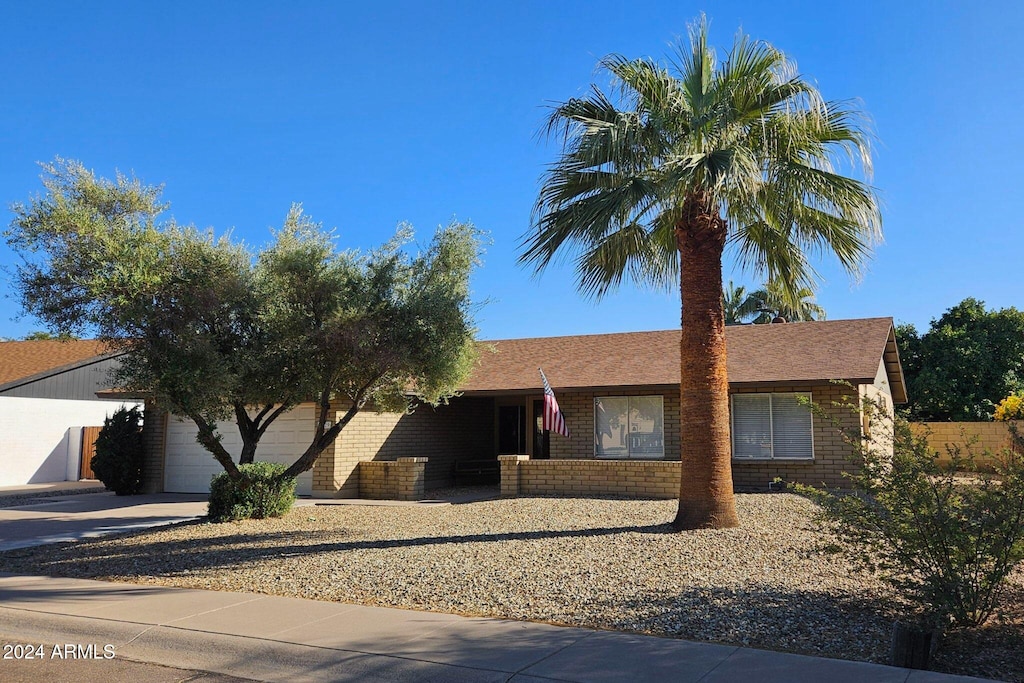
[[979, 436]]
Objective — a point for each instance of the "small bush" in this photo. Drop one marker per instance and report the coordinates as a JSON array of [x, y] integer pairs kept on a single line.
[[257, 494], [120, 453], [946, 539]]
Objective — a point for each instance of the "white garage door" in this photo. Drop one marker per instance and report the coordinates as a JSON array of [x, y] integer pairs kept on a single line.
[[189, 467]]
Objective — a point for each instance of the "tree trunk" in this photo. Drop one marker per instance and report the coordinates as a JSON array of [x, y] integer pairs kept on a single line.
[[706, 498], [249, 433], [321, 439], [207, 439]]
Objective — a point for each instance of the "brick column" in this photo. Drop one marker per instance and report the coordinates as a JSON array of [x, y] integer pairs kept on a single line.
[[329, 474], [154, 432], [412, 475], [510, 474]]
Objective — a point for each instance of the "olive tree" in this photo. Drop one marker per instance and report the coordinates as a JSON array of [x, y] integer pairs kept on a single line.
[[217, 332]]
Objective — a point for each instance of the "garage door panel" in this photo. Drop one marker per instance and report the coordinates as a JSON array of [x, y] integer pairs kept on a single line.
[[189, 467]]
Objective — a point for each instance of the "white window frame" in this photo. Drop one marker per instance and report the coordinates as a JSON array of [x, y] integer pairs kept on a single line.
[[629, 455], [771, 427]]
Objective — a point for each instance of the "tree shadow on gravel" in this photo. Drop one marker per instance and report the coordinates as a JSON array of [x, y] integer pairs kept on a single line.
[[820, 623], [995, 650], [107, 557]]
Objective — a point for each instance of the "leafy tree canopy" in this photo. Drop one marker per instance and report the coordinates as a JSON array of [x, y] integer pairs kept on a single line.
[[216, 331], [43, 335], [968, 360]]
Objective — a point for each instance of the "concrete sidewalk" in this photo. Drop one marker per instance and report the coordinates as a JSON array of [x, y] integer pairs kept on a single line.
[[270, 638]]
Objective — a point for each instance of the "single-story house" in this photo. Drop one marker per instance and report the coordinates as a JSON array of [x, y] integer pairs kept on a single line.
[[48, 396], [620, 397]]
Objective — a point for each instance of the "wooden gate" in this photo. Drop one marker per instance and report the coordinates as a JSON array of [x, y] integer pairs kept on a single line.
[[89, 435]]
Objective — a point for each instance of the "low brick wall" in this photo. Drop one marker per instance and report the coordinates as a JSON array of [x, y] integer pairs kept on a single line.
[[401, 479], [521, 476], [991, 436]]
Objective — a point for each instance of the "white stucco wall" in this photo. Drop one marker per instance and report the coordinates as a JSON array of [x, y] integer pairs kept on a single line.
[[40, 438]]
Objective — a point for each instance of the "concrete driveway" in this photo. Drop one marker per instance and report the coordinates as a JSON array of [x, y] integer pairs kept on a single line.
[[70, 518]]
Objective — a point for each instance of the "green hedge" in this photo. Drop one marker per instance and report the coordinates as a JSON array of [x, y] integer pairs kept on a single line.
[[256, 495], [120, 453]]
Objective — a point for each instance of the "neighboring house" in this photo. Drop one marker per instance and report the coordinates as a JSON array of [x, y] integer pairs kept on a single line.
[[48, 393], [620, 397]]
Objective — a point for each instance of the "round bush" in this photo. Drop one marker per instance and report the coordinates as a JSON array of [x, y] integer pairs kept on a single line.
[[257, 494], [120, 453]]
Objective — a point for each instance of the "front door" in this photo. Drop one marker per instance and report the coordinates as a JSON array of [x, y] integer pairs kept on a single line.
[[511, 430], [541, 436]]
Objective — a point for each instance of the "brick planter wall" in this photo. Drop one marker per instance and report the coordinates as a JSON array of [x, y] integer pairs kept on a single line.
[[521, 476], [401, 479]]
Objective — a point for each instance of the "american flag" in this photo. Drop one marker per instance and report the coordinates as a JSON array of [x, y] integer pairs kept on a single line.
[[553, 419]]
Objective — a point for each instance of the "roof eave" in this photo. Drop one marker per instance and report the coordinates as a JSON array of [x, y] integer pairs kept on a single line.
[[894, 369], [752, 384], [53, 372]]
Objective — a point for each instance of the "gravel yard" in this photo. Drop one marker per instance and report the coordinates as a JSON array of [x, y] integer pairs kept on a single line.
[[611, 564]]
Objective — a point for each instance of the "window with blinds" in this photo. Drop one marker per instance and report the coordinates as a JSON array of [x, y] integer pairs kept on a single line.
[[772, 426]]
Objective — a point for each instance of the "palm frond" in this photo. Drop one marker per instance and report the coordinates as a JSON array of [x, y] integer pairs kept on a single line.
[[630, 251], [755, 141]]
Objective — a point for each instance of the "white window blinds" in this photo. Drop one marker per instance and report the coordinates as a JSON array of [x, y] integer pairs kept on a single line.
[[751, 426], [766, 426]]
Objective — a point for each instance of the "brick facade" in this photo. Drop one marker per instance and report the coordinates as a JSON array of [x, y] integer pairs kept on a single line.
[[578, 409], [831, 454], [573, 470], [465, 429], [154, 433], [461, 430]]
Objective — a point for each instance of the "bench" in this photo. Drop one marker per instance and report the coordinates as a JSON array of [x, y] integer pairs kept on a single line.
[[477, 472]]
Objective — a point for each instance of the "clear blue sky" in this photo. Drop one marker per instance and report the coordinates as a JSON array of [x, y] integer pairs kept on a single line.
[[374, 113]]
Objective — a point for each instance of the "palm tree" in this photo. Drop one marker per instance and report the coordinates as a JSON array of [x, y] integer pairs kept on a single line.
[[734, 301], [772, 302], [656, 178]]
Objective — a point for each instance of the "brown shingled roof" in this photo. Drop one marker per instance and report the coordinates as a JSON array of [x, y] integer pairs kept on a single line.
[[23, 359], [791, 352]]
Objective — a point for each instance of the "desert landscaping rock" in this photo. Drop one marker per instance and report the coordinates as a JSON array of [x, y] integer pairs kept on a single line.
[[612, 564]]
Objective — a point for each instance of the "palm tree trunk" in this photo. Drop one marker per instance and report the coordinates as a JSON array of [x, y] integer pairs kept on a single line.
[[706, 498]]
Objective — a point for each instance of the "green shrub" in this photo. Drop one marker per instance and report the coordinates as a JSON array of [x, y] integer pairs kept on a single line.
[[946, 538], [257, 494], [120, 453]]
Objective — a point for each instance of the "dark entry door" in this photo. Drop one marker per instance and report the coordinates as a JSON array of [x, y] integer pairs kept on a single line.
[[541, 437], [511, 430]]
